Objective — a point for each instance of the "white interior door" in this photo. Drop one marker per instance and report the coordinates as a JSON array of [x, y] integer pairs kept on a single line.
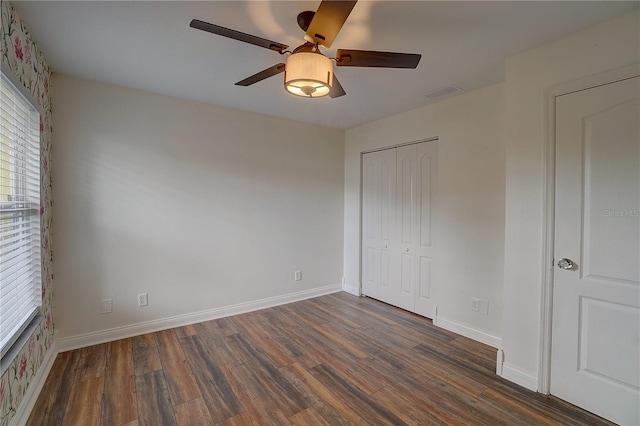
[[595, 360], [407, 225], [379, 218], [370, 232], [426, 179]]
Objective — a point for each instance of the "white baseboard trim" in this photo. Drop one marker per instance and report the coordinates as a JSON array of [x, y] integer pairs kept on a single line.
[[499, 361], [351, 288], [33, 391], [89, 339], [519, 377], [466, 331]]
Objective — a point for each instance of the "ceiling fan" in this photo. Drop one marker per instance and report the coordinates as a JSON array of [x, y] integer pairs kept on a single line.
[[308, 72]]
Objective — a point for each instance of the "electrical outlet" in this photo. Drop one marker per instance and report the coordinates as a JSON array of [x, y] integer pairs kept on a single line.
[[143, 299], [297, 275], [475, 305], [479, 305], [484, 307], [107, 306]]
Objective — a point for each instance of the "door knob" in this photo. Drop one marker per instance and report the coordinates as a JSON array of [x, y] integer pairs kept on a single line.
[[565, 263], [385, 246], [407, 250]]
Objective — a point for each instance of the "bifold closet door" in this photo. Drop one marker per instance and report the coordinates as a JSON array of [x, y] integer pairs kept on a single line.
[[404, 284], [426, 188], [399, 187], [379, 238]]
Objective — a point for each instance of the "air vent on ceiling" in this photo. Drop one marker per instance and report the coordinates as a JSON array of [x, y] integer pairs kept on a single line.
[[443, 91]]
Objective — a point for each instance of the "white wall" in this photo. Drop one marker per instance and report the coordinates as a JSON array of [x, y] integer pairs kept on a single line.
[[206, 207], [607, 46], [469, 207], [200, 206]]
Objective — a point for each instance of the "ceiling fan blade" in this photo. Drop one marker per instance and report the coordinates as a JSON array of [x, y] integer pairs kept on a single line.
[[237, 35], [370, 58], [328, 21], [269, 72], [336, 89]]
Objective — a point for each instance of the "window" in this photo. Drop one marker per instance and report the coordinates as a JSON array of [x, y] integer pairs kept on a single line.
[[20, 265]]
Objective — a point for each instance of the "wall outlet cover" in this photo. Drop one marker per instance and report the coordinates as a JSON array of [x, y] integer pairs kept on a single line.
[[143, 299], [484, 307], [475, 304]]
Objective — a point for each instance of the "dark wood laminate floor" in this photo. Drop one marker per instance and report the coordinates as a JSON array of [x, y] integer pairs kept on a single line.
[[335, 359]]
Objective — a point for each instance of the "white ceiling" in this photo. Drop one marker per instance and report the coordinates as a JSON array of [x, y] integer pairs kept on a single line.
[[148, 45]]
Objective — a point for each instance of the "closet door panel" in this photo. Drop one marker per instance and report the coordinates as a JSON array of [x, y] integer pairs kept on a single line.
[[405, 198], [424, 196], [426, 180], [424, 278], [385, 272], [387, 196], [370, 186], [406, 280], [407, 226], [388, 232], [379, 223]]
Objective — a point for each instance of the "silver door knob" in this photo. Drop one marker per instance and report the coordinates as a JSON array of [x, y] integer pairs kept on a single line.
[[565, 263], [407, 250], [385, 246]]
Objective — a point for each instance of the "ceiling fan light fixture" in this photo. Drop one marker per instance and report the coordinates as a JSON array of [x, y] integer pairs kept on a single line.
[[308, 74]]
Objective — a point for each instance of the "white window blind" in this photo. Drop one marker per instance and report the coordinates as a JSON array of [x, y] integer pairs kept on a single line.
[[20, 265]]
